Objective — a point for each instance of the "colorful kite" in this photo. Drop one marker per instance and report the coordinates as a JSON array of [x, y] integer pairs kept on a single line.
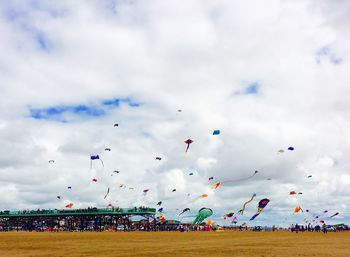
[[188, 142], [217, 184], [70, 206], [297, 209], [292, 193], [241, 211], [230, 214], [262, 204]]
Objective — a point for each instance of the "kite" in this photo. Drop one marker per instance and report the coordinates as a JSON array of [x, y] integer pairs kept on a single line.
[[217, 184], [310, 176], [162, 218], [262, 204], [188, 142], [230, 214], [131, 188], [281, 151], [94, 180], [300, 193], [179, 110], [158, 158], [115, 125], [234, 220], [203, 196], [321, 221], [160, 209], [69, 187], [297, 209], [70, 205], [269, 178], [216, 132], [59, 197], [159, 203], [292, 193], [51, 161], [116, 171], [106, 193], [325, 211], [121, 185], [95, 157], [145, 191], [108, 149], [335, 214], [184, 210], [241, 211], [191, 173], [174, 190], [211, 178], [291, 148], [109, 205]]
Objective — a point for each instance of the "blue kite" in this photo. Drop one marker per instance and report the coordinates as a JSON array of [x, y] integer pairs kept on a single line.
[[216, 132]]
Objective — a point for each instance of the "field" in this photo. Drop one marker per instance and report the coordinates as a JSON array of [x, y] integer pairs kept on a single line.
[[164, 244]]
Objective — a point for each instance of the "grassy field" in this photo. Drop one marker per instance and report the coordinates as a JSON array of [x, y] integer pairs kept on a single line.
[[163, 244]]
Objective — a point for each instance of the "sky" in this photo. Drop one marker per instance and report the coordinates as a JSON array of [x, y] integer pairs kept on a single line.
[[268, 74]]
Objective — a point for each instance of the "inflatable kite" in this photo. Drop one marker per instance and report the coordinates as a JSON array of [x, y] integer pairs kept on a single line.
[[262, 204], [241, 211]]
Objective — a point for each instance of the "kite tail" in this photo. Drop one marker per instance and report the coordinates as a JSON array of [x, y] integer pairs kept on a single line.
[[255, 215], [102, 163], [188, 146]]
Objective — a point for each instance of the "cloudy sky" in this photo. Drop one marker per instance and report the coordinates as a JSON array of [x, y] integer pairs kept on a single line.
[[269, 75]]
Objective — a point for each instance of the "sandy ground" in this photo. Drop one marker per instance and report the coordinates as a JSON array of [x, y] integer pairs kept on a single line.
[[163, 244]]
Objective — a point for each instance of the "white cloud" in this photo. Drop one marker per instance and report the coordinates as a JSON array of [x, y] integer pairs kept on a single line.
[[168, 56]]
